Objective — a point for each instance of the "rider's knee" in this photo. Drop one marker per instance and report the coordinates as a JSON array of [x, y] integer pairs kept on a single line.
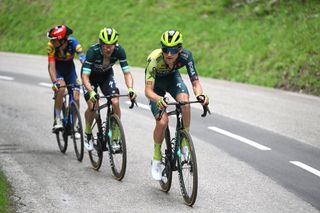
[[115, 102], [163, 122]]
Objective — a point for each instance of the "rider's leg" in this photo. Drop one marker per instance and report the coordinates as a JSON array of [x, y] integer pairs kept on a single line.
[[116, 106], [76, 94], [185, 109], [59, 99], [89, 117], [108, 87], [158, 135]]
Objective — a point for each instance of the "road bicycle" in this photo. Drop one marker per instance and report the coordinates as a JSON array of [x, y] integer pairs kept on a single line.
[[72, 124], [178, 154], [109, 136]]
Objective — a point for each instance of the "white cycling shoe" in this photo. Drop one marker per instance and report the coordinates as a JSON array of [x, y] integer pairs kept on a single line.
[[58, 124], [88, 144], [156, 170]]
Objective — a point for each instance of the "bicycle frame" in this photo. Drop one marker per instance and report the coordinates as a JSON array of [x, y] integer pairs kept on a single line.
[[68, 121], [108, 134], [174, 144]]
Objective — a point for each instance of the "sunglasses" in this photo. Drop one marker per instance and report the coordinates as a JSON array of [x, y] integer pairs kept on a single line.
[[172, 50]]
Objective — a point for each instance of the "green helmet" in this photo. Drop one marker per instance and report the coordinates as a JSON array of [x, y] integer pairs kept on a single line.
[[171, 38], [108, 35]]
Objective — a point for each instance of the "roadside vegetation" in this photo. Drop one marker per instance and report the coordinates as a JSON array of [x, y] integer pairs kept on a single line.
[[5, 202], [273, 43]]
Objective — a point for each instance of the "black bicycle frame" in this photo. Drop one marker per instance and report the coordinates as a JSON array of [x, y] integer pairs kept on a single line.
[[179, 126], [105, 138], [176, 145]]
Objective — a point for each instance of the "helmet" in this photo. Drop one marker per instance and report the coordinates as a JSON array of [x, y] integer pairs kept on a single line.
[[171, 38], [59, 32], [108, 35]]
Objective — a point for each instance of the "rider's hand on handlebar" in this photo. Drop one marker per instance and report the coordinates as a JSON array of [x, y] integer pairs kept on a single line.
[[203, 99], [132, 94], [55, 86], [161, 103], [92, 95]]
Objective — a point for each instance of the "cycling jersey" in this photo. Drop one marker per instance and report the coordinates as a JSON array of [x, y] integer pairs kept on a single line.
[[94, 61], [168, 80], [156, 65], [73, 46]]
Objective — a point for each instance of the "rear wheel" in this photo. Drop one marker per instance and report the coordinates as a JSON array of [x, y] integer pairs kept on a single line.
[[117, 148], [166, 169], [187, 169], [62, 135], [96, 155], [77, 132]]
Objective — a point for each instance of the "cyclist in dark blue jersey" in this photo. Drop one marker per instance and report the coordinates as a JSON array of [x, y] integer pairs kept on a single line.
[[61, 51], [97, 71]]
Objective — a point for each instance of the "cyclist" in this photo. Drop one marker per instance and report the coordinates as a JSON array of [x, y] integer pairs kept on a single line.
[[162, 75], [61, 50], [97, 71]]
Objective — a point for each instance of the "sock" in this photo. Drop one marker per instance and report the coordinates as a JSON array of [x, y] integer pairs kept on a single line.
[[115, 132], [184, 142], [157, 151], [88, 129], [58, 113]]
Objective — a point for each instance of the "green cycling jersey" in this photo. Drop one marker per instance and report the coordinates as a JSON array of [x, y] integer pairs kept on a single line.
[[94, 60], [156, 65]]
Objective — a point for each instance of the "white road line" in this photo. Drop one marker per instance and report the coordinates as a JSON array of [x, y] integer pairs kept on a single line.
[[50, 85], [2, 77], [306, 167], [144, 106], [45, 84], [239, 138]]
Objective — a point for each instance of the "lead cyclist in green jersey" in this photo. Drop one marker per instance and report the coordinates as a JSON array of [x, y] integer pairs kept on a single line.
[[162, 75]]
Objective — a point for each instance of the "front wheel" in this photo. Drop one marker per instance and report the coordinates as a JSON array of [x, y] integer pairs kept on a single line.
[[117, 147], [62, 135], [187, 168], [77, 132], [166, 151], [96, 155]]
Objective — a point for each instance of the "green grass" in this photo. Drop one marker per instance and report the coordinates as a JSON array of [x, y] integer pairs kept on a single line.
[[5, 204], [268, 42]]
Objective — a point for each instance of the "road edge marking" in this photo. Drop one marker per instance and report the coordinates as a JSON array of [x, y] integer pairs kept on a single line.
[[306, 167], [239, 138]]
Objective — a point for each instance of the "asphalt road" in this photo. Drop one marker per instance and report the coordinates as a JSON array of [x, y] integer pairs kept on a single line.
[[257, 152]]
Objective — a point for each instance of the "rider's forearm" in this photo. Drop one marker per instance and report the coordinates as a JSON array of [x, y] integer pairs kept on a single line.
[[150, 94], [86, 82], [128, 79], [52, 71], [197, 88]]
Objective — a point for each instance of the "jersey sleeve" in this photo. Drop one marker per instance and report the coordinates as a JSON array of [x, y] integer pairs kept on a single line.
[[51, 52], [87, 65], [123, 60], [78, 49], [192, 72], [150, 71]]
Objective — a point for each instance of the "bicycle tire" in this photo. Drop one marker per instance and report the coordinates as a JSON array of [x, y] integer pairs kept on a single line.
[[188, 188], [61, 135], [117, 150], [96, 155], [166, 180], [77, 127]]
